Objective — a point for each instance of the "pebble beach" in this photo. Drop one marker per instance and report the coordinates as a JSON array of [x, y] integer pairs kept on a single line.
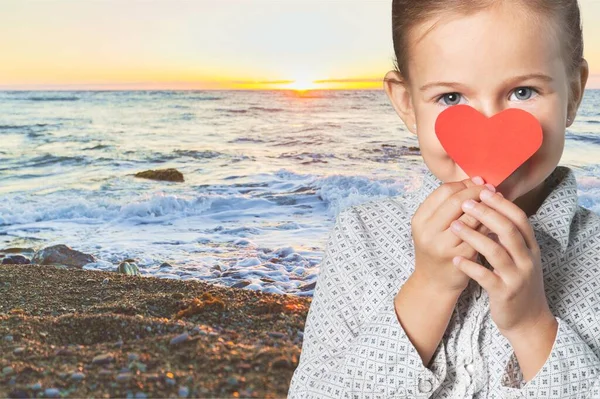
[[67, 332]]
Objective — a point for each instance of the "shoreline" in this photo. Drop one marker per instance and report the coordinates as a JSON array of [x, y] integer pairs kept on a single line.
[[82, 333]]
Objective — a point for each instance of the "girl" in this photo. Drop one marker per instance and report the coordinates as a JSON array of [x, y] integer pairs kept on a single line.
[[462, 289]]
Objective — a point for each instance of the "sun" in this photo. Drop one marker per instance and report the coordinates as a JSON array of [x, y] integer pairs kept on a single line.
[[302, 84]]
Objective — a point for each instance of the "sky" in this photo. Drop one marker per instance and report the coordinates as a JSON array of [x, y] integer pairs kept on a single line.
[[209, 44]]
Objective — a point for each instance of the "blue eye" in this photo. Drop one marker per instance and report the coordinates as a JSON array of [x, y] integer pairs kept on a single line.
[[523, 91], [452, 96]]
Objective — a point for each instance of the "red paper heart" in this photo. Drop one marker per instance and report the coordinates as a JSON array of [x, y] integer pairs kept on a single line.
[[492, 148]]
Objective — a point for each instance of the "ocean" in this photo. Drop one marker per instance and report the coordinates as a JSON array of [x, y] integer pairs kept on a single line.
[[266, 172]]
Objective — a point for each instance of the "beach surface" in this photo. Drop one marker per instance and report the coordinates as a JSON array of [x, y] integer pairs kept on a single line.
[[81, 333]]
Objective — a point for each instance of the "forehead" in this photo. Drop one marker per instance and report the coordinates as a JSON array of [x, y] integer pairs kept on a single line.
[[487, 46]]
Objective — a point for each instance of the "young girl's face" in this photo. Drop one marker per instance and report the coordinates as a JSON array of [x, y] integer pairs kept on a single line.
[[484, 60]]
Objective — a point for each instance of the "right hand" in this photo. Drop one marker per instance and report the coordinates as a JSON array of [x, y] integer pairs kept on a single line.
[[435, 244]]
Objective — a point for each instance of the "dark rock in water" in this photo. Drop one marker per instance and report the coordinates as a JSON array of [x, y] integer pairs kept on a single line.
[[62, 255], [18, 250], [15, 260], [308, 287], [129, 268], [241, 284], [161, 174]]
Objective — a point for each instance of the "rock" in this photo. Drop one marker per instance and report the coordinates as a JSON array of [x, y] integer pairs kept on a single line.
[[161, 174], [15, 260], [129, 268], [241, 284], [124, 377], [63, 255], [275, 334], [140, 395], [7, 370], [36, 387], [183, 392], [18, 394], [281, 363], [17, 250], [8, 338], [308, 287], [19, 350], [179, 339], [233, 381], [77, 376], [104, 358], [133, 356], [52, 393]]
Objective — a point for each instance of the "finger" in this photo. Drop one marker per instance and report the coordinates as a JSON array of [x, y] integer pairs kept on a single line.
[[465, 248], [450, 209], [489, 280], [515, 214], [508, 233], [438, 196], [494, 252]]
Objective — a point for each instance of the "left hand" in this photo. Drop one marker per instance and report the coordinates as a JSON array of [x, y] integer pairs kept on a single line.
[[516, 285]]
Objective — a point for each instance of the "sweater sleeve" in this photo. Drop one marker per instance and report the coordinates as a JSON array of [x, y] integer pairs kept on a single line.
[[354, 346], [571, 371]]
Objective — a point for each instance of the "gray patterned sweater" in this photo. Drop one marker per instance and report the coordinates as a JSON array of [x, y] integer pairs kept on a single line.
[[354, 346]]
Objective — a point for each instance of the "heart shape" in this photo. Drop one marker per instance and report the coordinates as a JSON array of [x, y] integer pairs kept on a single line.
[[492, 148]]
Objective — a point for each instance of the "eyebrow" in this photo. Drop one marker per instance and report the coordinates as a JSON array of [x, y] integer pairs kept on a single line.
[[541, 76]]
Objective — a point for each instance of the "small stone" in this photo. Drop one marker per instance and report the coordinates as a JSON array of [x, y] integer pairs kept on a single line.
[[18, 394], [183, 392], [7, 370], [105, 281], [169, 381], [140, 395], [19, 350], [180, 338], [36, 387], [103, 359], [281, 363], [77, 376], [133, 356], [124, 377], [8, 338], [276, 334], [177, 295], [52, 393], [232, 381]]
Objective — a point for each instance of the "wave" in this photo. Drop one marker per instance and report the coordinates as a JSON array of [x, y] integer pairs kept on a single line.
[[588, 138], [266, 109], [43, 98]]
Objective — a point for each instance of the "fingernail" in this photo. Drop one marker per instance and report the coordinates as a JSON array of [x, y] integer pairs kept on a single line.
[[456, 225], [491, 187], [469, 204], [500, 194], [477, 180], [486, 194]]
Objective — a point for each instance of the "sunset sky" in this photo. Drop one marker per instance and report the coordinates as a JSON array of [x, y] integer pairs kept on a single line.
[[209, 44]]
